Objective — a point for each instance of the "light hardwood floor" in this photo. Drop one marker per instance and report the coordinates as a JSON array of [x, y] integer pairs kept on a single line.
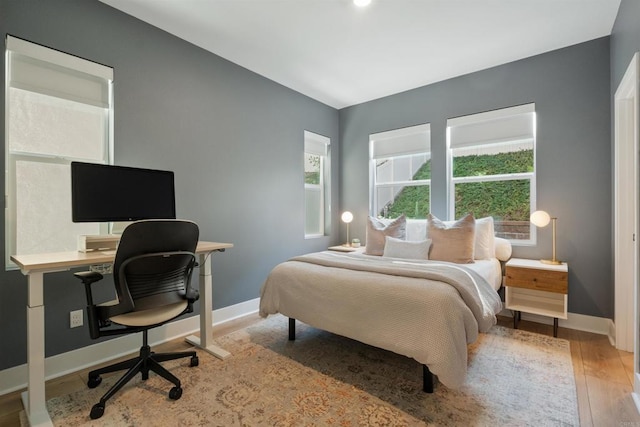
[[604, 376]]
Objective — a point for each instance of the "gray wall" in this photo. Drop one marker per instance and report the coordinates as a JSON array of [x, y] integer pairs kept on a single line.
[[233, 138], [570, 88], [625, 40]]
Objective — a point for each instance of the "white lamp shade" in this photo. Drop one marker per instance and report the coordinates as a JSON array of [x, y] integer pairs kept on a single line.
[[540, 218], [347, 217]]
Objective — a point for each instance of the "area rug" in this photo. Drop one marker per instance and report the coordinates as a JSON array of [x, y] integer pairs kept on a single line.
[[515, 378]]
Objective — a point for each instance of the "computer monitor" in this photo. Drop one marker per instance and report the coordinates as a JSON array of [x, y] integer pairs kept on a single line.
[[107, 193]]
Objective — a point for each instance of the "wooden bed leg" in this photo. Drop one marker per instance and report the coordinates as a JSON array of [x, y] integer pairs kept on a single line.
[[292, 329], [427, 380]]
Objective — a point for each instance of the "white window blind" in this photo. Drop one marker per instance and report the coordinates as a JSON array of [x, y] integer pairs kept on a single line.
[[316, 144], [493, 127], [42, 70], [401, 142]]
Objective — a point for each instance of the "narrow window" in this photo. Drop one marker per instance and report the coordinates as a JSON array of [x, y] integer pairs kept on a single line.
[[400, 172], [492, 172], [58, 109], [316, 183]]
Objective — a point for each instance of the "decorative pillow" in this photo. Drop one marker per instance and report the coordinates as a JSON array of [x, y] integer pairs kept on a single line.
[[378, 230], [398, 248], [503, 249], [484, 247], [454, 243]]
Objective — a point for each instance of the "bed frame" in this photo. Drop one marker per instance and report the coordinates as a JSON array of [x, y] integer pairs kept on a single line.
[[428, 379]]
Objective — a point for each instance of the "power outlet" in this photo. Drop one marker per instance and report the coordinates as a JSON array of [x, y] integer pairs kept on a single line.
[[75, 319]]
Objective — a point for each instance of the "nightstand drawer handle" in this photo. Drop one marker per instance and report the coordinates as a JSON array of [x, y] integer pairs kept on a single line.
[[535, 280]]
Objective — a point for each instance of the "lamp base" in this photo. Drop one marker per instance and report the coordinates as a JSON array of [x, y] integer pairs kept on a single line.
[[551, 261]]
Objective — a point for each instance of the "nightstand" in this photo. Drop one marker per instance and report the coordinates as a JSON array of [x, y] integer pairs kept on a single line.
[[534, 287]]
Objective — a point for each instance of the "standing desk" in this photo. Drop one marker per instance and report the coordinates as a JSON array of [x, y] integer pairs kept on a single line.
[[37, 265]]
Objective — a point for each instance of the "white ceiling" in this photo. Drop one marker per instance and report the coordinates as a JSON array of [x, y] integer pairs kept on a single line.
[[342, 55]]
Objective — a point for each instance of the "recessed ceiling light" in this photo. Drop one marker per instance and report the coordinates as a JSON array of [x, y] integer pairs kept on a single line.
[[361, 3]]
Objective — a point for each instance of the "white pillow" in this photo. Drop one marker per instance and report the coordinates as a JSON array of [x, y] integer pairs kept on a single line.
[[398, 248], [484, 245]]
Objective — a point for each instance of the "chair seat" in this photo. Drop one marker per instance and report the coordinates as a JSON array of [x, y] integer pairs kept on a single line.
[[153, 316]]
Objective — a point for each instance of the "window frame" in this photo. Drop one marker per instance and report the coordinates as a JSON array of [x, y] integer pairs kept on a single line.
[[381, 148], [319, 145], [530, 176], [67, 66]]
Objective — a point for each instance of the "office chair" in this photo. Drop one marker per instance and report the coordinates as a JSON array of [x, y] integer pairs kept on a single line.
[[152, 276]]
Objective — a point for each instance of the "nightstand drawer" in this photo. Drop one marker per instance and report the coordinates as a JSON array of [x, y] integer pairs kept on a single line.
[[541, 280]]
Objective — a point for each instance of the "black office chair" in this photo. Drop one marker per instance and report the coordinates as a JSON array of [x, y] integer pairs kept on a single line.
[[152, 275]]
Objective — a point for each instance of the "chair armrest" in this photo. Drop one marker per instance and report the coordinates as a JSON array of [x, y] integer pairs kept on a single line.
[[88, 277], [192, 295]]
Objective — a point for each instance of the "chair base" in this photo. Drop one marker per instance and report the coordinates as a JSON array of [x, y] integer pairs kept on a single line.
[[142, 364]]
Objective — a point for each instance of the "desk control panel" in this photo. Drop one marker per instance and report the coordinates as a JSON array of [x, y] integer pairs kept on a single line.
[[102, 268]]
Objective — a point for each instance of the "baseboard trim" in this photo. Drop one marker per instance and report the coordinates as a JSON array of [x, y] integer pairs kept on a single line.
[[612, 332], [636, 400], [13, 379], [580, 322]]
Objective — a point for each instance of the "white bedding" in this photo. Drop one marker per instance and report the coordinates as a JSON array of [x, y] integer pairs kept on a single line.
[[427, 313], [490, 269]]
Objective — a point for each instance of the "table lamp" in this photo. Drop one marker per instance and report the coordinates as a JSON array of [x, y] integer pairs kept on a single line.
[[347, 217], [542, 219]]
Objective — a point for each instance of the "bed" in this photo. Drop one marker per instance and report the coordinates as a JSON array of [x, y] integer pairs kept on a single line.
[[426, 309]]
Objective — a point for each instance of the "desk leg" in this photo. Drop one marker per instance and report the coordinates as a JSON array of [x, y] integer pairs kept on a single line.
[[34, 399], [205, 341]]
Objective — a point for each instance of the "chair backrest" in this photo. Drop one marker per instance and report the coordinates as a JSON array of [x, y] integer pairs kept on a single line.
[[153, 264]]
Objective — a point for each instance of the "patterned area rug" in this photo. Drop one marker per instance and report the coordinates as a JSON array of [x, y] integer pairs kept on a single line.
[[515, 378]]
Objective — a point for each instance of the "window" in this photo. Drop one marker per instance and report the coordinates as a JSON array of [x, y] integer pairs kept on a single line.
[[400, 172], [492, 173], [316, 183], [58, 109]]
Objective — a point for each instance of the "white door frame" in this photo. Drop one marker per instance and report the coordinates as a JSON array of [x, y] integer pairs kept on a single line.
[[626, 185]]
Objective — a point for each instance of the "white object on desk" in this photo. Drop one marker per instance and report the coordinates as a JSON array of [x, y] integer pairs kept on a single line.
[[37, 265], [108, 242]]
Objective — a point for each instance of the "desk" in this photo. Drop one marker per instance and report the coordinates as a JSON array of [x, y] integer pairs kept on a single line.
[[36, 266]]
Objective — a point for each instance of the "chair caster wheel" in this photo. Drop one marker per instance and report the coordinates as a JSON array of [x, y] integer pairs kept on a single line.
[[194, 361], [97, 411], [175, 393], [94, 381]]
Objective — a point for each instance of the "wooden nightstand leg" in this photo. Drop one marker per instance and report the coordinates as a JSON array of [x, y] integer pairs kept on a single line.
[[555, 327], [516, 317]]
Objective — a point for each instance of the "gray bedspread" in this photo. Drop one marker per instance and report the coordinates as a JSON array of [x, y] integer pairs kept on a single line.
[[426, 310]]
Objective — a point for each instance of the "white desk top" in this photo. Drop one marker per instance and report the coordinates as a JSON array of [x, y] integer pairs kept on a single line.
[[66, 260]]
